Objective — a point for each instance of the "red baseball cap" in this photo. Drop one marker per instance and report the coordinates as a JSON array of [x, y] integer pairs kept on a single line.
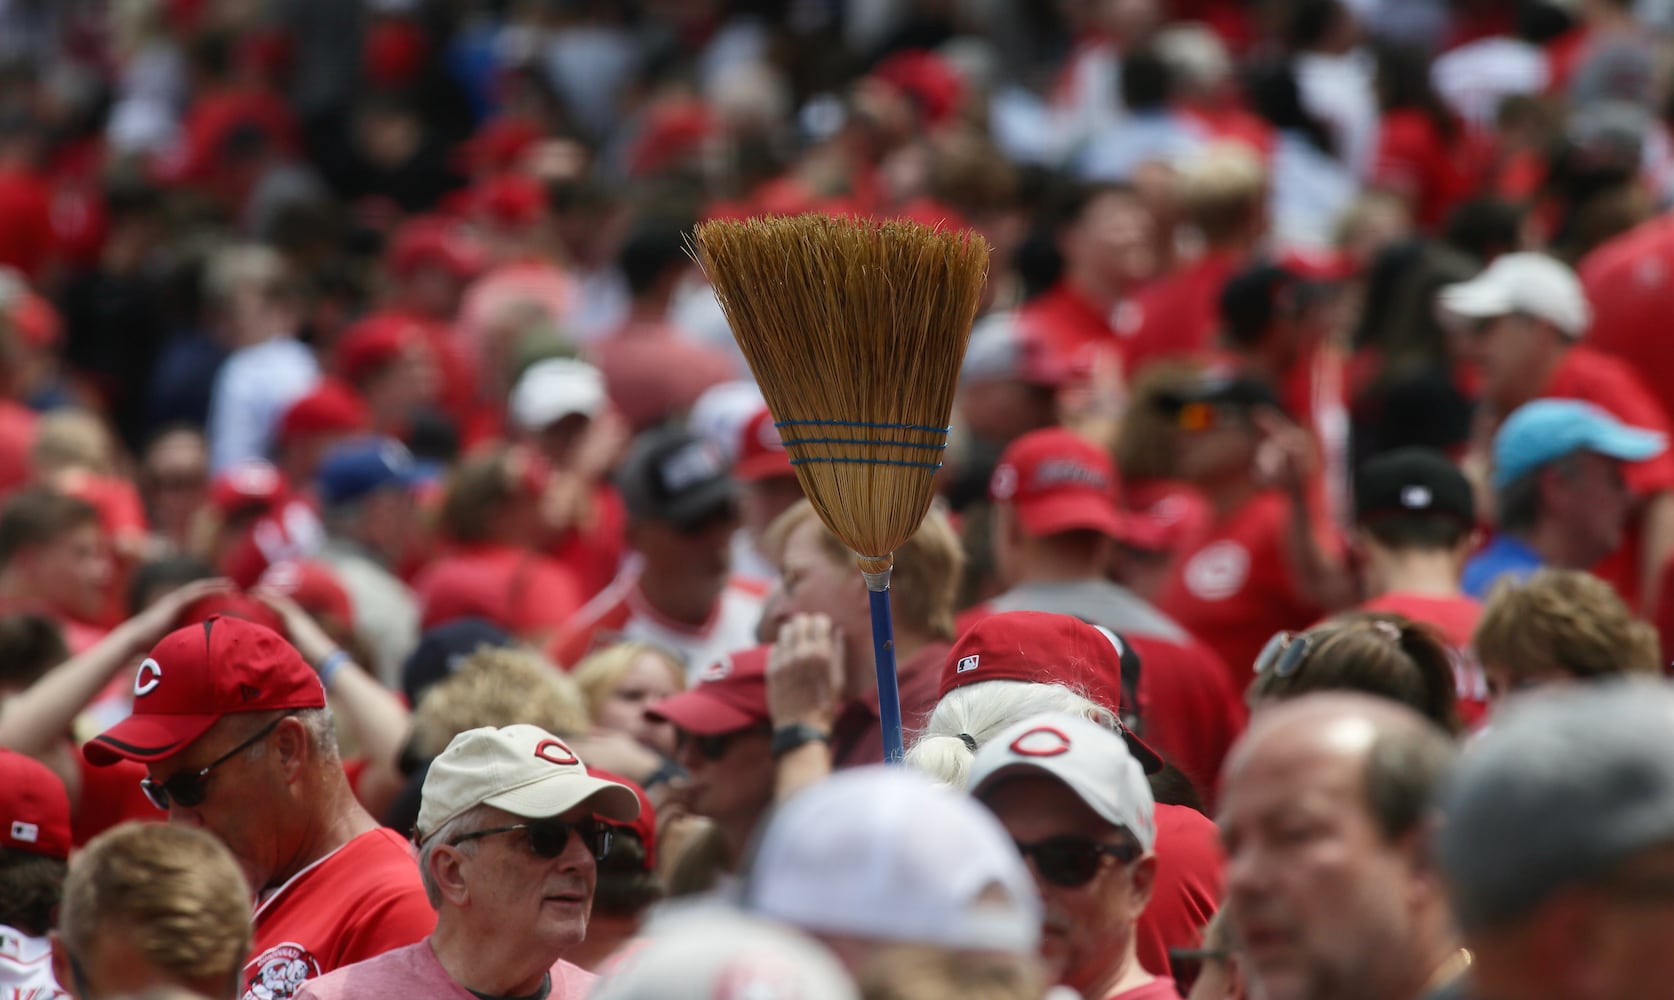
[[645, 825], [313, 586], [249, 485], [1041, 648], [730, 694], [373, 343], [761, 452], [199, 673], [34, 807], [230, 604], [332, 408], [1058, 481], [515, 201], [435, 240]]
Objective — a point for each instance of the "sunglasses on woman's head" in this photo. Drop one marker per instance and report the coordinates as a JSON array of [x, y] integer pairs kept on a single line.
[[547, 838], [188, 789], [1072, 862], [1283, 654]]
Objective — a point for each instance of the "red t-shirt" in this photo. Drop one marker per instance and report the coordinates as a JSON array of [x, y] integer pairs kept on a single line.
[[1436, 171], [1455, 618], [1071, 327], [109, 796], [595, 554], [1157, 989], [27, 239], [857, 735], [1609, 383], [523, 592], [1234, 588], [1630, 283], [17, 437], [360, 901], [1180, 313], [1188, 887], [1191, 710]]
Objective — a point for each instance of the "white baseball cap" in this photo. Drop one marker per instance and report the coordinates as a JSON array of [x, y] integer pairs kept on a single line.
[[885, 854], [1092, 761], [522, 769], [553, 389], [713, 951], [1532, 283]]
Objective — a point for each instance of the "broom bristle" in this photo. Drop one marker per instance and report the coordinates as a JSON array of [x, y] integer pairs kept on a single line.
[[855, 331]]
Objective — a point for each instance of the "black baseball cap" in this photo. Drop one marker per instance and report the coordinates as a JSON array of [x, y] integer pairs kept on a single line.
[[1410, 481], [1233, 391], [671, 475]]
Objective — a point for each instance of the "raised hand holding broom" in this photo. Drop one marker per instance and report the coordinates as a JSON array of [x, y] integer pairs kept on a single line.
[[855, 331]]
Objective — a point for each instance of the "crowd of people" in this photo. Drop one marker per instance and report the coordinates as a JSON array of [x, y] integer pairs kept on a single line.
[[405, 590]]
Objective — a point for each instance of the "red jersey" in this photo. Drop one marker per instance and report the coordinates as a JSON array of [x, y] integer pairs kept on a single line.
[[1070, 326], [1180, 313], [1455, 617], [1192, 712], [1609, 383], [1234, 588], [594, 552], [359, 901], [1188, 887], [857, 735], [1434, 170], [523, 592], [1630, 283]]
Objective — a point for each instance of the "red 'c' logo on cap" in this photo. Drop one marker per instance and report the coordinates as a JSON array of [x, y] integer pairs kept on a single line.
[[555, 752], [1041, 741], [146, 679]]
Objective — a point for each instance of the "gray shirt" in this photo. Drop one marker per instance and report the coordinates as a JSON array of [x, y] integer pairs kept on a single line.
[[1099, 602]]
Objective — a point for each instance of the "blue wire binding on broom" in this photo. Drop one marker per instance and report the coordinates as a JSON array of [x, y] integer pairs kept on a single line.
[[869, 461], [782, 424]]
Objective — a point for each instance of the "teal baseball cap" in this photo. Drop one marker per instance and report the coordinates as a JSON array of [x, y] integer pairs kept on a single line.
[[1548, 429]]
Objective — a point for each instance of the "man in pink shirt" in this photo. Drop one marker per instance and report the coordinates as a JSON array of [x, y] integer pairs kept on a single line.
[[509, 835]]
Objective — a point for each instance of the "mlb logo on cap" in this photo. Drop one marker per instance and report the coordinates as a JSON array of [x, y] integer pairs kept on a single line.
[[25, 833], [967, 664], [34, 807]]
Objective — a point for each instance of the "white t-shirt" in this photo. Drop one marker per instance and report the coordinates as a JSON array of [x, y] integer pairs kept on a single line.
[[26, 967]]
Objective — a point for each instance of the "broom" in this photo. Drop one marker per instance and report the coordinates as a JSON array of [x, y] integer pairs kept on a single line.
[[855, 331]]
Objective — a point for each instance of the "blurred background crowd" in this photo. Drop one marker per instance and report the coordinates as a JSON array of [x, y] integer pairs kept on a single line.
[[1323, 345]]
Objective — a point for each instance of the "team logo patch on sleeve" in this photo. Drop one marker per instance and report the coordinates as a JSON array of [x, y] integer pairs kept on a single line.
[[277, 973]]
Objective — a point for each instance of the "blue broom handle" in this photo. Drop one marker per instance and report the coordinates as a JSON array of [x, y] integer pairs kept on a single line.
[[883, 651]]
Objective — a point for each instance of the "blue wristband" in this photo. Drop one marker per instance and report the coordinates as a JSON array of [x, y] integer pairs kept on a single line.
[[329, 666]]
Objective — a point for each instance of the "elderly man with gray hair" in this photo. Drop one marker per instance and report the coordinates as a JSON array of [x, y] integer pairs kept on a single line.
[[509, 835], [1557, 844]]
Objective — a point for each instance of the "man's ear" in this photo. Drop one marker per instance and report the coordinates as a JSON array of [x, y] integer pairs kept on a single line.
[[446, 866], [1144, 874], [61, 969], [291, 745]]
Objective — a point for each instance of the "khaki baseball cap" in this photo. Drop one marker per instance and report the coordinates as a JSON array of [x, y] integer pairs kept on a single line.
[[522, 769]]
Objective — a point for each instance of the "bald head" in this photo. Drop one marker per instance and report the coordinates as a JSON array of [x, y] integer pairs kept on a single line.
[[1323, 803]]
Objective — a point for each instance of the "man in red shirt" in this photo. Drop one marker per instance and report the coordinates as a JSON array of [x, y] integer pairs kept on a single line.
[[1526, 314], [1077, 804], [1108, 243], [510, 833], [232, 726], [1331, 893], [1267, 562], [1416, 519], [1056, 516]]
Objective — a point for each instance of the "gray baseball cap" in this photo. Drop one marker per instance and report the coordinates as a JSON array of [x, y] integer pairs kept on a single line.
[[1564, 784]]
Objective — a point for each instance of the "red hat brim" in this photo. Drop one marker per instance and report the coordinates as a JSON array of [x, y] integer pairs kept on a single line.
[[146, 738], [702, 714]]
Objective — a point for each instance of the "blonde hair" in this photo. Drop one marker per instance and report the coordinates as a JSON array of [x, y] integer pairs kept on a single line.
[[920, 972], [498, 687], [69, 439], [175, 892], [1565, 620], [1223, 190], [928, 568], [598, 674], [981, 711]]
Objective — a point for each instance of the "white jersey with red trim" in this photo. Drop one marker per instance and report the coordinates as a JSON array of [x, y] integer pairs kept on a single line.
[[26, 967], [621, 614]]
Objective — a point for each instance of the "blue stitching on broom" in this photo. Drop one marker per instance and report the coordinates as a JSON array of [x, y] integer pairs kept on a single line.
[[868, 461], [781, 424]]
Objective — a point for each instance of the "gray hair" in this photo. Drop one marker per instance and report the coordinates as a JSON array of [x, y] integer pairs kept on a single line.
[[469, 821], [978, 712]]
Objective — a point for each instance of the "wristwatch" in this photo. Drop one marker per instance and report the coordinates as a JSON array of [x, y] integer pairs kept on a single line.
[[788, 738]]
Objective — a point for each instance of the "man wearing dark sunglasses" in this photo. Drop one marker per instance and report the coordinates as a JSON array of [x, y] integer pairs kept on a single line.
[[232, 726], [725, 745], [510, 833], [1077, 803]]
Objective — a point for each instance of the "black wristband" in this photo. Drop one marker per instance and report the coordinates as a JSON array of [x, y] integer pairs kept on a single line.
[[788, 738]]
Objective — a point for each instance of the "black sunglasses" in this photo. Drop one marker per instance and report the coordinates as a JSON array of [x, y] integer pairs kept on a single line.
[[1284, 653], [1072, 862], [190, 788], [714, 747], [548, 837]]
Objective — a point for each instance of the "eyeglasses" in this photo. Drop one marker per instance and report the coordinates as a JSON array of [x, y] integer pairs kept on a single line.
[[548, 837], [1072, 862], [713, 748], [190, 788], [1284, 653]]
